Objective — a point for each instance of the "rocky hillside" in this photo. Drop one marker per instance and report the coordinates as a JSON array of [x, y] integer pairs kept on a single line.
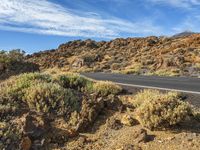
[[182, 34], [150, 56]]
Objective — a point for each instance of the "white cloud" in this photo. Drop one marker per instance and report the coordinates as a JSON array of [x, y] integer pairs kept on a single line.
[[190, 23], [178, 3], [45, 17]]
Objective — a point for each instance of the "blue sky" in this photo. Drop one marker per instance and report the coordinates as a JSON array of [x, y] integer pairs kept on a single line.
[[34, 25]]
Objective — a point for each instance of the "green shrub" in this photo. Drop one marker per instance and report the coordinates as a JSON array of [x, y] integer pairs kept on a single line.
[[158, 110], [196, 114], [50, 98], [74, 82], [105, 88], [13, 88], [11, 56]]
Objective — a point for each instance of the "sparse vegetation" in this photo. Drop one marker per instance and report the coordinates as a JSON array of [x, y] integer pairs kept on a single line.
[[13, 62], [162, 56], [75, 82], [196, 113], [43, 110], [51, 98], [159, 110], [31, 99], [11, 56], [165, 72], [105, 88], [134, 69]]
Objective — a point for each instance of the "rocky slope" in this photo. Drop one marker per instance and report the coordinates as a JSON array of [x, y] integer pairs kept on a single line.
[[151, 56]]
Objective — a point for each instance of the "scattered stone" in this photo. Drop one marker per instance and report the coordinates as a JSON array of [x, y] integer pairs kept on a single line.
[[153, 53], [128, 120]]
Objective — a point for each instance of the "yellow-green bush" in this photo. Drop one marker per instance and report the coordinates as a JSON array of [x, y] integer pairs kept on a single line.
[[105, 88], [133, 69], [50, 98], [11, 56], [196, 114], [13, 89], [74, 82], [156, 110], [165, 72], [150, 95], [36, 99]]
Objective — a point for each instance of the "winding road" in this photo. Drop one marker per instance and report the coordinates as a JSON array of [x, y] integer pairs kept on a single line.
[[180, 84]]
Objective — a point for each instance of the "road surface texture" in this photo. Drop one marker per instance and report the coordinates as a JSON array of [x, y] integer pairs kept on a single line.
[[181, 84], [132, 83]]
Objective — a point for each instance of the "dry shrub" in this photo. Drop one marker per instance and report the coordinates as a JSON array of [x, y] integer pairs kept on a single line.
[[165, 72], [196, 113], [105, 88], [160, 110], [133, 69], [51, 98], [57, 100]]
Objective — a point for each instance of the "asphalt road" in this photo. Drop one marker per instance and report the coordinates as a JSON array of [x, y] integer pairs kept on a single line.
[[181, 84]]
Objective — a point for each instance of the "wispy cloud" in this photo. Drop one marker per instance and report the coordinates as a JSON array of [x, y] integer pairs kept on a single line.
[[188, 18], [45, 17], [190, 23], [178, 3]]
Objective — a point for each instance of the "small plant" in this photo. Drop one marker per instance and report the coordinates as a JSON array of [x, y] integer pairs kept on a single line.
[[50, 98], [133, 69], [150, 95], [196, 114], [13, 88], [165, 72], [75, 82], [105, 88], [156, 110]]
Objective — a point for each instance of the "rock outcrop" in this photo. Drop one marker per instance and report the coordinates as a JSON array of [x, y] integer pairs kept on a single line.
[[150, 55]]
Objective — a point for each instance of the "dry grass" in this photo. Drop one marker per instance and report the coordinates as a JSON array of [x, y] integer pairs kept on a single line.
[[165, 72], [133, 69]]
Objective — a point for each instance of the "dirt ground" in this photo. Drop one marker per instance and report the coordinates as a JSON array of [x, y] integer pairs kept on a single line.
[[110, 132]]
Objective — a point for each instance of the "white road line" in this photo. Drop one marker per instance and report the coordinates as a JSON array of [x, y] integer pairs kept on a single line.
[[148, 87], [157, 88]]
